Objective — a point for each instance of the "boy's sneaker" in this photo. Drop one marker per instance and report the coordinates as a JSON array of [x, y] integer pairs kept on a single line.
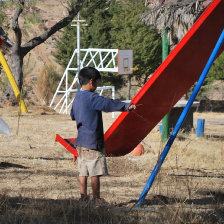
[[100, 202]]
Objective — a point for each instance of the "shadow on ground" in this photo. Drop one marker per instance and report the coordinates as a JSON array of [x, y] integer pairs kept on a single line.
[[45, 211], [163, 210], [188, 210], [209, 198], [5, 165]]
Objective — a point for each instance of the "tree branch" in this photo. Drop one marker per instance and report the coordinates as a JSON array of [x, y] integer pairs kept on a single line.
[[59, 25], [15, 25]]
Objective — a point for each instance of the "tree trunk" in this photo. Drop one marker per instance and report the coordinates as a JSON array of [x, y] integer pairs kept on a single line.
[[18, 51], [15, 62]]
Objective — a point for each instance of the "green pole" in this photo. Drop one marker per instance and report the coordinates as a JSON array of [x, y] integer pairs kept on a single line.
[[165, 120]]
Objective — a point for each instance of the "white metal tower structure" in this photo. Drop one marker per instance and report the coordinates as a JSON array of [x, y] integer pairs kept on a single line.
[[104, 60], [101, 59]]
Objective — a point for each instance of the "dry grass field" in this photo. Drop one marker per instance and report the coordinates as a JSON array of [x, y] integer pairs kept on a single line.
[[38, 180]]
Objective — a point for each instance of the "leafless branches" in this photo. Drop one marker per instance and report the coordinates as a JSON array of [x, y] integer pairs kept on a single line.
[[15, 24], [72, 12]]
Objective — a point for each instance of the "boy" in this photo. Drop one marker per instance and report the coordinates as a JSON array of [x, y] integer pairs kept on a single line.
[[86, 110]]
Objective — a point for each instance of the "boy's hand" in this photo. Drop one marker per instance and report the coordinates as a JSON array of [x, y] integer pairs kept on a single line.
[[131, 107]]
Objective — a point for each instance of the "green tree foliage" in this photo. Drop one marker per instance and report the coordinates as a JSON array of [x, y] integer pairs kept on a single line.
[[128, 32], [217, 70], [65, 45], [215, 73], [115, 24], [95, 35], [98, 17]]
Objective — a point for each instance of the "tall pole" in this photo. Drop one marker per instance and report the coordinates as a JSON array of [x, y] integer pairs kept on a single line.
[[78, 42], [78, 48], [78, 38], [165, 52]]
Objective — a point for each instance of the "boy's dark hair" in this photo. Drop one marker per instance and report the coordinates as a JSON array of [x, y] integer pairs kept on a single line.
[[88, 73]]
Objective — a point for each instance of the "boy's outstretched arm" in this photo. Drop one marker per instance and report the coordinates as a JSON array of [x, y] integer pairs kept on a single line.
[[109, 105]]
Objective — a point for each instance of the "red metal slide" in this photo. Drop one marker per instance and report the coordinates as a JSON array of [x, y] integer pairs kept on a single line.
[[168, 84]]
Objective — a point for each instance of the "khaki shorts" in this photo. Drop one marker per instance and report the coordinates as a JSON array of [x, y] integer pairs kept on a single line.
[[91, 162]]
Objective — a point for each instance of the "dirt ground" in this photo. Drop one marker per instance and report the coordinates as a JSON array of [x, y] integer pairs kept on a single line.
[[33, 165]]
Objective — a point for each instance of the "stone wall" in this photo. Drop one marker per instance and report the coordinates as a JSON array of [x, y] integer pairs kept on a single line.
[[211, 106], [174, 116]]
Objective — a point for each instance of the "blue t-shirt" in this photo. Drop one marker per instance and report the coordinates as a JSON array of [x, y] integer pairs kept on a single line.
[[86, 110]]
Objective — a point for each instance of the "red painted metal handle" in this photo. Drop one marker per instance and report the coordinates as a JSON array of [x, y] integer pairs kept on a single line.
[[68, 144]]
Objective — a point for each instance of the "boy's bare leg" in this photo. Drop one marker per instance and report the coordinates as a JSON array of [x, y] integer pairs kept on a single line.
[[95, 182], [83, 186]]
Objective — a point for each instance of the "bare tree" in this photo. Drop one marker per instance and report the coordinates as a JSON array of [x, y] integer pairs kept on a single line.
[[18, 51]]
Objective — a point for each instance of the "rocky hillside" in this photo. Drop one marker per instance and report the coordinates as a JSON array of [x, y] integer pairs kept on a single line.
[[50, 12]]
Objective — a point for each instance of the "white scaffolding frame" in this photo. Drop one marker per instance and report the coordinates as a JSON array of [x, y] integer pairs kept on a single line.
[[104, 60]]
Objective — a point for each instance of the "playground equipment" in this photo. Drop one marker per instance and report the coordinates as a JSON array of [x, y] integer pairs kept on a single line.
[[180, 121], [68, 144], [168, 84], [12, 79]]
